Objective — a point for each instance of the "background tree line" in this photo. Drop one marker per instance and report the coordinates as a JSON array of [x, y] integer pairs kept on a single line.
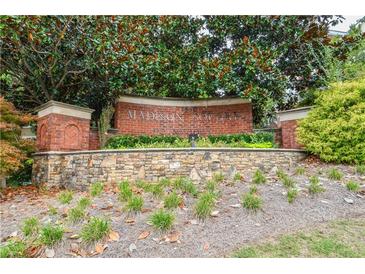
[[276, 61]]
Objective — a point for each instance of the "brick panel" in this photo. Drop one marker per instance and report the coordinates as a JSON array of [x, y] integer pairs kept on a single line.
[[289, 136]]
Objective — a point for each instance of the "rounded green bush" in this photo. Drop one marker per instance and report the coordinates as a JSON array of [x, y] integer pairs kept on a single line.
[[335, 129]]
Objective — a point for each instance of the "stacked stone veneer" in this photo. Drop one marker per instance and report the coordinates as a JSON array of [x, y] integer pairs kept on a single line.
[[288, 123], [80, 169], [172, 116]]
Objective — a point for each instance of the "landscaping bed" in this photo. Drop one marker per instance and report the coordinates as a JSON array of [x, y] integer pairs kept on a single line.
[[212, 219]]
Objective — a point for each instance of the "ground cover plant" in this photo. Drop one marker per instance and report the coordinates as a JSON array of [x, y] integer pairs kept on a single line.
[[353, 186], [65, 197], [96, 189], [172, 201], [125, 191], [162, 220], [51, 234], [314, 185], [13, 249], [95, 230], [135, 203], [76, 214], [30, 226], [258, 177], [205, 204], [335, 174], [251, 201]]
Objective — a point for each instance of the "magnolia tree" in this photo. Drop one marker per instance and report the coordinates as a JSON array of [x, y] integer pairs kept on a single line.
[[14, 150]]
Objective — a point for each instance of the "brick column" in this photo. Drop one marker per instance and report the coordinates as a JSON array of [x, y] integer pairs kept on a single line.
[[63, 127], [288, 122]]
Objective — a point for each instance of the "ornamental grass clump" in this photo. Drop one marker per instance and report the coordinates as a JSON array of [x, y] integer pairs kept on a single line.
[[65, 197], [360, 169], [95, 230], [84, 202], [258, 177], [314, 185], [162, 220], [186, 186], [76, 214], [125, 191], [157, 190], [51, 234], [251, 201], [134, 204], [292, 194], [299, 170], [13, 249], [205, 204], [335, 174], [96, 189], [172, 201], [353, 186], [30, 227], [218, 177]]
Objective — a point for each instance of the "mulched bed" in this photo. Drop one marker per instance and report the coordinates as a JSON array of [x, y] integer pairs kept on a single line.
[[232, 228]]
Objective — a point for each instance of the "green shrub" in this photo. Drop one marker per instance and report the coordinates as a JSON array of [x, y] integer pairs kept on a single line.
[[65, 197], [253, 190], [300, 170], [314, 186], [162, 220], [84, 202], [135, 203], [258, 177], [76, 214], [218, 177], [204, 205], [50, 234], [125, 191], [256, 140], [95, 230], [292, 194], [237, 177], [96, 189], [334, 129], [172, 201], [334, 174], [360, 169], [353, 186], [30, 226], [251, 201], [13, 249]]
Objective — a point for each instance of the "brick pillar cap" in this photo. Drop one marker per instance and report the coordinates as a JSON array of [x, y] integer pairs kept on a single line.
[[64, 109]]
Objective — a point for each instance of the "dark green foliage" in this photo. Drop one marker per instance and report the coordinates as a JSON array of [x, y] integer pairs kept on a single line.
[[251, 201], [258, 177], [96, 229], [13, 249], [162, 220], [235, 140], [51, 234]]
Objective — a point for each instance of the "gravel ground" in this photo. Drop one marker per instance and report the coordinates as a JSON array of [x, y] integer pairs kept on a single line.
[[218, 236]]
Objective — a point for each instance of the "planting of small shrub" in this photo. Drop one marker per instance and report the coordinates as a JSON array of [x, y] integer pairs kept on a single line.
[[205, 204], [51, 234], [172, 201], [256, 140], [30, 226], [334, 129], [84, 202], [353, 186], [76, 214], [96, 189], [258, 177], [135, 203], [13, 249], [251, 201], [292, 194], [335, 174], [162, 220], [125, 191], [314, 185], [360, 169], [65, 197], [95, 230]]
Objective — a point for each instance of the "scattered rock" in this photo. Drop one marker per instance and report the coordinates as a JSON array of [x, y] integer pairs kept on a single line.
[[195, 175], [325, 202], [231, 172], [194, 222], [214, 213], [99, 248], [235, 205], [173, 237], [257, 224], [348, 200], [49, 253], [132, 247]]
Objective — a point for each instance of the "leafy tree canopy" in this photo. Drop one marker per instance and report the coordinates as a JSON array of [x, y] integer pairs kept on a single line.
[[90, 60]]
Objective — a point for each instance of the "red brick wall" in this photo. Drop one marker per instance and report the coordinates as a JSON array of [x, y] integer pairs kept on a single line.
[[94, 142], [288, 134], [139, 119], [56, 132]]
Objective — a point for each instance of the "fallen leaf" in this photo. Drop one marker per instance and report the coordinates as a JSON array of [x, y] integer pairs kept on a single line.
[[173, 237], [145, 210], [94, 206], [206, 246], [114, 236], [34, 251], [49, 253], [99, 248], [129, 221], [107, 207], [143, 235]]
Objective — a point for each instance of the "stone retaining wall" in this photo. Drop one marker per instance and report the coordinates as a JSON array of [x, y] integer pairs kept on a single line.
[[80, 169]]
